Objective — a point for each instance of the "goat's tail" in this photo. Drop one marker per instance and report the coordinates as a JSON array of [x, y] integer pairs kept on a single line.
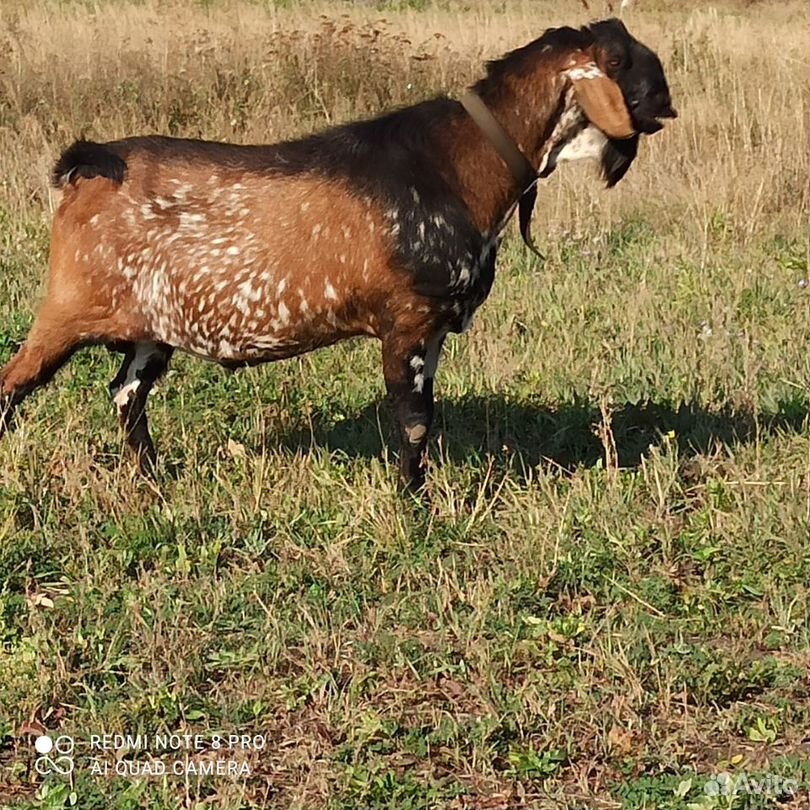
[[88, 159]]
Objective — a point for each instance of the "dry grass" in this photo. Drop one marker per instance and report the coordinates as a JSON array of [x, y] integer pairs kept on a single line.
[[608, 597]]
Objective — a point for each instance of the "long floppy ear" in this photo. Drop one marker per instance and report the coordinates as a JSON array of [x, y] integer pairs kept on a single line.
[[600, 98]]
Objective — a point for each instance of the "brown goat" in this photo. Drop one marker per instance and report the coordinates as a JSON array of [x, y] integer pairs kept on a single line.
[[387, 227]]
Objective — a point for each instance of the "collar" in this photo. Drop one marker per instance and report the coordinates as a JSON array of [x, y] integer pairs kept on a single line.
[[523, 172]]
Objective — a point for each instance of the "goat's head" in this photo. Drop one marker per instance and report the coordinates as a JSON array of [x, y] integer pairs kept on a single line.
[[620, 85], [637, 71]]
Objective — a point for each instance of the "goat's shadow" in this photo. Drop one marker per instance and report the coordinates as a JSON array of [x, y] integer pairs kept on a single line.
[[568, 435]]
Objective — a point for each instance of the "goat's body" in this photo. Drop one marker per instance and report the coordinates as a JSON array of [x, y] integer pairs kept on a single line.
[[247, 254], [209, 260], [242, 254]]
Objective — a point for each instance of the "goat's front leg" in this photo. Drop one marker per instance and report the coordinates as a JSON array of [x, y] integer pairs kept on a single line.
[[409, 368]]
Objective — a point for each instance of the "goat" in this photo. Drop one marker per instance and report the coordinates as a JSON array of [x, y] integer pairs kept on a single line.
[[385, 227]]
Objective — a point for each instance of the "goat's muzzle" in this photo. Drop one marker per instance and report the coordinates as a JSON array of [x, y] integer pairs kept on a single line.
[[648, 113]]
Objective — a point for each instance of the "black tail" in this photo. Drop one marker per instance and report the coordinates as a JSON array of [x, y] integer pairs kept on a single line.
[[88, 159]]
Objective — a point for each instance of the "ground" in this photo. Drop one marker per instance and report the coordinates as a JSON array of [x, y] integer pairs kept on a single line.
[[605, 601]]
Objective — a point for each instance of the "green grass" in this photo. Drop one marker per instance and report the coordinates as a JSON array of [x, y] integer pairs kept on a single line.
[[606, 594]]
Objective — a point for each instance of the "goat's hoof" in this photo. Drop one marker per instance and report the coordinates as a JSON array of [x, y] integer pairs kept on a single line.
[[146, 459], [412, 484]]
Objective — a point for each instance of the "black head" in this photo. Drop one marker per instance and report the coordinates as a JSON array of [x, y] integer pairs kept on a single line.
[[639, 74]]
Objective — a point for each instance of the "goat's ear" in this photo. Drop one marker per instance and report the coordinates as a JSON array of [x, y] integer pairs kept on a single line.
[[601, 100]]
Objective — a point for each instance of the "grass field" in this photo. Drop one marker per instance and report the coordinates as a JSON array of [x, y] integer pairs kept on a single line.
[[605, 603]]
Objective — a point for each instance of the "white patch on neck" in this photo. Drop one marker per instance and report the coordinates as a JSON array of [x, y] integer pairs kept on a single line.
[[573, 138], [586, 71], [585, 145]]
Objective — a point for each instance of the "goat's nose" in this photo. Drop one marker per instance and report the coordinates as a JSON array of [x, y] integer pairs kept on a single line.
[[663, 101]]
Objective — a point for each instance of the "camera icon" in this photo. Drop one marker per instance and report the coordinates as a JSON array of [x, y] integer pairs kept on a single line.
[[61, 762]]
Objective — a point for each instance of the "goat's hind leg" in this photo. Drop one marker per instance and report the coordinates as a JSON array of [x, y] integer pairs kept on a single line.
[[45, 351], [143, 364]]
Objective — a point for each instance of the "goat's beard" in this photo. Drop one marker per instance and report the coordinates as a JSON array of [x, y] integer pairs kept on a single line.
[[617, 156]]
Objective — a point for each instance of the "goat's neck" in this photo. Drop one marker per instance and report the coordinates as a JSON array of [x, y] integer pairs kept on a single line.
[[528, 109]]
